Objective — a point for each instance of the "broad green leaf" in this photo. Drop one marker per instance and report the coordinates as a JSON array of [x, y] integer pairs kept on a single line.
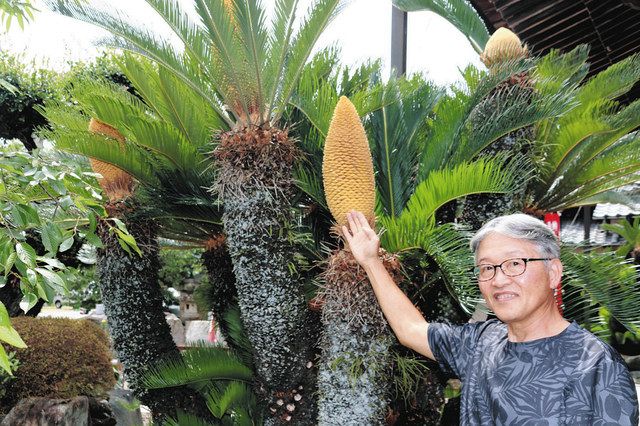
[[26, 254], [30, 299], [51, 237], [52, 262], [4, 361], [7, 332], [66, 244], [52, 279], [8, 264]]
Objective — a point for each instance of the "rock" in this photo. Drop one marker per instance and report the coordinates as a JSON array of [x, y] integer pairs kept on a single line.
[[633, 362], [125, 408], [45, 412], [177, 329], [100, 413], [196, 332]]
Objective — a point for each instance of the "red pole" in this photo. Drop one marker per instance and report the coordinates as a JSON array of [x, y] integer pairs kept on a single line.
[[553, 221]]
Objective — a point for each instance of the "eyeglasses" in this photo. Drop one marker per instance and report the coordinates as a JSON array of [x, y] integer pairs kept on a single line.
[[510, 267]]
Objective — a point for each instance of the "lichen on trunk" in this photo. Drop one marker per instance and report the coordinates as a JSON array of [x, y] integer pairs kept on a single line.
[[133, 305], [355, 368], [254, 182]]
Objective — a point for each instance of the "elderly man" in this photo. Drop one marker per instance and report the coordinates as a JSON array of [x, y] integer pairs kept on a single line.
[[529, 367]]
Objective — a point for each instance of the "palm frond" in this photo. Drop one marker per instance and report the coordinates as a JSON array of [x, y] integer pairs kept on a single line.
[[174, 101], [460, 13], [187, 419], [197, 366], [614, 81], [443, 186], [128, 37], [233, 397], [595, 279], [69, 130], [558, 71], [397, 136], [321, 13]]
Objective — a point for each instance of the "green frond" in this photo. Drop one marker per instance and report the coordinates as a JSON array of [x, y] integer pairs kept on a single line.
[[459, 13], [504, 112], [321, 13], [596, 279], [174, 101], [197, 367], [142, 42], [186, 419], [453, 112], [629, 231], [613, 82], [558, 71], [397, 134], [481, 176], [237, 334], [233, 397], [69, 130]]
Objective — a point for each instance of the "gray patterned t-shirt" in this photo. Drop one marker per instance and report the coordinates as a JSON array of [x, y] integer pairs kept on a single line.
[[570, 379]]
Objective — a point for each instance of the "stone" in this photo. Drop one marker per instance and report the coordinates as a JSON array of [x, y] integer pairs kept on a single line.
[[45, 412], [177, 329], [125, 408], [196, 332]]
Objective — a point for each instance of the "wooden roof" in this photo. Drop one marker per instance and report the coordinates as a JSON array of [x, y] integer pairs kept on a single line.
[[610, 27]]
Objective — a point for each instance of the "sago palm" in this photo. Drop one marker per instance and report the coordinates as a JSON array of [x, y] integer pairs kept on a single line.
[[247, 71], [160, 155]]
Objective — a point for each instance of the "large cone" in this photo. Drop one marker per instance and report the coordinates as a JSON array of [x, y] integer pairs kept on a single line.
[[503, 45], [115, 182], [347, 168]]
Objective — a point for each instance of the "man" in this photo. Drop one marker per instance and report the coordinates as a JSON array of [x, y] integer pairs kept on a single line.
[[530, 367]]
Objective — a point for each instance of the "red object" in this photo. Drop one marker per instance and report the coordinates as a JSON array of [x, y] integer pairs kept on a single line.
[[212, 332], [553, 221]]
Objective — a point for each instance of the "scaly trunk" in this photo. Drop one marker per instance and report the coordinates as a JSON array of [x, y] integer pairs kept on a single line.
[[137, 324], [255, 185], [355, 367]]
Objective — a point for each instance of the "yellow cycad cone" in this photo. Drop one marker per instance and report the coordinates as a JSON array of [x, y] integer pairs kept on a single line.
[[503, 45], [116, 183], [347, 167]]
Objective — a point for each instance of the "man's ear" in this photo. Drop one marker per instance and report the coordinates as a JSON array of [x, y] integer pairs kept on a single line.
[[555, 272]]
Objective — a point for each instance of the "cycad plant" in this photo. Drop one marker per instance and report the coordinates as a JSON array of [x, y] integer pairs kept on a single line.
[[159, 154], [246, 71], [630, 231]]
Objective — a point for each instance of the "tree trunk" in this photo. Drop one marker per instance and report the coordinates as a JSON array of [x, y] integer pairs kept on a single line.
[[255, 186], [133, 304], [355, 368]]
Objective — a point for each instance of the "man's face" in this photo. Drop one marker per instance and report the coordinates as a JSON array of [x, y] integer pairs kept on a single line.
[[514, 299]]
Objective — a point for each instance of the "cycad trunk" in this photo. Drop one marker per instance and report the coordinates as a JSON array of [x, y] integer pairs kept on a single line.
[[355, 368], [133, 304], [255, 185]]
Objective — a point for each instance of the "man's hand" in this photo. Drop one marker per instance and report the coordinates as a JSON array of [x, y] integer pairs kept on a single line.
[[362, 240]]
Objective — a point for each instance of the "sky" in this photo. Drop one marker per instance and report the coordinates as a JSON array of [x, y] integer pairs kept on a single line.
[[362, 31]]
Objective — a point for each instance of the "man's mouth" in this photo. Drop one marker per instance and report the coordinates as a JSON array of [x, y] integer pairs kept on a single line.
[[504, 297]]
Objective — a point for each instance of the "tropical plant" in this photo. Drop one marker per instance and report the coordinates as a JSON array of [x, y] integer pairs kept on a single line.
[[124, 277], [220, 377], [21, 11], [460, 13], [630, 231], [246, 71]]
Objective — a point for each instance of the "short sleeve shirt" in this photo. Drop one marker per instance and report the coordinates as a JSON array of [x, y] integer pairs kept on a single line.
[[572, 378]]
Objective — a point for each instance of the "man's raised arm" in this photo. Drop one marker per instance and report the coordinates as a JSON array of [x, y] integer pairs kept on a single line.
[[407, 323]]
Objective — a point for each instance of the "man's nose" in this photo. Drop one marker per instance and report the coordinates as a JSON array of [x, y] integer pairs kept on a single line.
[[500, 278]]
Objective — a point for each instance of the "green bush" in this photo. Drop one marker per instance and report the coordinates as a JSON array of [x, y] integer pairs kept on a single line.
[[64, 358]]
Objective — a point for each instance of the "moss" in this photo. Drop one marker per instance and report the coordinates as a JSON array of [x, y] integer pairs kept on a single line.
[[64, 358]]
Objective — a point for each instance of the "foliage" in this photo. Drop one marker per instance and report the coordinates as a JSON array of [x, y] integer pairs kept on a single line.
[[180, 264], [631, 234], [9, 336], [221, 378], [21, 11], [5, 377], [460, 13], [53, 197], [30, 87], [82, 287], [64, 358]]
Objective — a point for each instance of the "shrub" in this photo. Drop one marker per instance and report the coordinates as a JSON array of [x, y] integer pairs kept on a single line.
[[64, 358]]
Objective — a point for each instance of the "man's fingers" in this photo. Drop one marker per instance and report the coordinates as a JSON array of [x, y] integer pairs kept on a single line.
[[362, 220], [346, 233], [354, 224]]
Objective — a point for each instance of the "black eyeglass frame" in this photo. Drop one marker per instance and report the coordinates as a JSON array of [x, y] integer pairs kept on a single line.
[[476, 269]]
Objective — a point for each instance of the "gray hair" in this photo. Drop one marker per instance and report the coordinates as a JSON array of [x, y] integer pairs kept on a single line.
[[522, 227]]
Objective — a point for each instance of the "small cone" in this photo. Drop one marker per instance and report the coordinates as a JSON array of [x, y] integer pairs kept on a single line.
[[503, 45], [347, 167], [115, 182]]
